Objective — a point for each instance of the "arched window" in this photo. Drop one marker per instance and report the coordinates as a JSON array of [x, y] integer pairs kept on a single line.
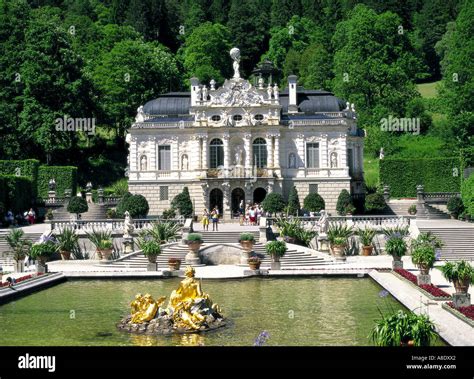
[[216, 153], [259, 153]]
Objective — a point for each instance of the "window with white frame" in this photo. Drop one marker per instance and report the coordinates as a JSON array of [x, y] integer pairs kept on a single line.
[[216, 153], [259, 148], [164, 157], [312, 155]]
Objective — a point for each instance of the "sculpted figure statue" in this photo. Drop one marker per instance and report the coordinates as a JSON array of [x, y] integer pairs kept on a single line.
[[333, 159], [323, 222], [235, 55], [128, 227], [144, 308], [140, 117]]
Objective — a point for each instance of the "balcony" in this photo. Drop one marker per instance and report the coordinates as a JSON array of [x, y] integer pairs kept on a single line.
[[304, 172]]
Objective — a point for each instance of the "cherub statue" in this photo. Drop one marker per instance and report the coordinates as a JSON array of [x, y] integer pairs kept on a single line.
[[128, 227]]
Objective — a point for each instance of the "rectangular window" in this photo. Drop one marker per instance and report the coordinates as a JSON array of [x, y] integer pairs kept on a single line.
[[312, 155], [350, 161], [164, 157], [163, 192], [313, 188]]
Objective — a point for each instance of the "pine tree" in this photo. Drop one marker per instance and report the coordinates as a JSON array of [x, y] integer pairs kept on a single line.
[[293, 202]]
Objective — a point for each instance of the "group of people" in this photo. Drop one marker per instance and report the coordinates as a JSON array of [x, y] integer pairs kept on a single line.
[[250, 215], [28, 217], [210, 217]]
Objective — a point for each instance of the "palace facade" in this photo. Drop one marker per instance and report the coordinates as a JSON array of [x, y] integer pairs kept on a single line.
[[241, 141]]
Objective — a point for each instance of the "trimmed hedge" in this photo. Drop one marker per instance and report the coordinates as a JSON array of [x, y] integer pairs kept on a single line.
[[65, 177], [16, 193], [136, 205], [435, 174], [467, 195], [25, 168]]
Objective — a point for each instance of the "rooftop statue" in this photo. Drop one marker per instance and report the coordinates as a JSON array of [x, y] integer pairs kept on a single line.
[[189, 309], [235, 55]]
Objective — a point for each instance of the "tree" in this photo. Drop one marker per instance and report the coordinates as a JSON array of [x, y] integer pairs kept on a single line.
[[136, 205], [467, 194], [273, 203], [315, 67], [293, 202], [374, 203], [183, 203], [77, 205], [344, 201], [283, 10], [313, 202], [203, 53]]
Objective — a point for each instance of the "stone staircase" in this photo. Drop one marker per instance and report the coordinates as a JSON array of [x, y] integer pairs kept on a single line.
[[95, 212], [458, 240], [428, 212], [6, 257]]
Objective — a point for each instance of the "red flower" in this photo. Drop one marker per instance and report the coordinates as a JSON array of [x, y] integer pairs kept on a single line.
[[430, 288], [466, 311]]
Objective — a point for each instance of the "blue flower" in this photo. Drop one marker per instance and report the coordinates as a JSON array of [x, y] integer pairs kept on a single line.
[[261, 339], [383, 293]]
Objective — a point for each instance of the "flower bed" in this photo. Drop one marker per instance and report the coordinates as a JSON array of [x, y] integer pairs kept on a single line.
[[465, 314], [466, 311], [21, 279], [429, 290]]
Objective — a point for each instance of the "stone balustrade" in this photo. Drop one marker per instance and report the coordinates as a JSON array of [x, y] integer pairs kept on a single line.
[[109, 224]]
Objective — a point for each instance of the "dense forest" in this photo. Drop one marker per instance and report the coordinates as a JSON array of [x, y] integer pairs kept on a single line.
[[102, 59]]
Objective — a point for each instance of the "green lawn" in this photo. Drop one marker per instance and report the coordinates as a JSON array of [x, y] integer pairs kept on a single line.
[[427, 90]]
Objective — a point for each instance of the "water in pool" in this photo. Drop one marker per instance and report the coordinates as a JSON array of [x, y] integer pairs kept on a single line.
[[302, 312]]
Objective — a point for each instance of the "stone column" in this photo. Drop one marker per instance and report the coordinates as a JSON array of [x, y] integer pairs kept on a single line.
[[248, 154], [276, 162], [269, 140], [204, 153], [133, 155], [174, 153], [225, 140], [300, 146], [323, 146], [343, 152], [152, 151]]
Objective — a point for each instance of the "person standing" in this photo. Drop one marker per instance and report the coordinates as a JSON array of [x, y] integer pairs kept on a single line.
[[215, 219], [31, 216], [205, 220]]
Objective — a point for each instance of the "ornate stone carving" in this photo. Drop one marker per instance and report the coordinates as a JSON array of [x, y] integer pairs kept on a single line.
[[140, 117], [235, 55], [237, 93]]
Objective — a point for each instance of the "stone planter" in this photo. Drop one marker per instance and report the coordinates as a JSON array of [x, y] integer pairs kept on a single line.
[[461, 286], [397, 262], [98, 253], [65, 255], [424, 270], [192, 258], [367, 250], [152, 258], [254, 266], [106, 254], [174, 266], [42, 260], [247, 248], [275, 264], [338, 252], [423, 279], [19, 266], [289, 239]]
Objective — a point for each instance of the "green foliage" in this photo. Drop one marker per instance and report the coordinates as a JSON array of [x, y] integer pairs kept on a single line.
[[136, 205], [42, 249], [455, 206], [396, 246], [313, 202], [149, 246], [27, 168], [276, 248], [246, 237], [293, 202], [194, 237], [293, 228], [164, 231], [424, 256], [467, 194], [96, 236], [366, 236], [67, 239], [77, 205], [458, 271], [396, 231], [344, 201], [183, 203], [18, 244], [65, 177], [120, 187], [273, 203], [169, 213], [400, 328], [339, 233], [374, 203], [436, 175], [16, 193]]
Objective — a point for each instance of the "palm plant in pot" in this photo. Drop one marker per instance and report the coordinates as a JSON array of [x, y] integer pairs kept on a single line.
[[194, 242], [42, 250], [96, 237], [164, 231], [247, 241], [254, 263], [366, 236], [460, 273], [276, 249], [105, 247], [150, 248], [19, 247], [338, 234], [404, 329], [397, 248], [68, 242], [424, 258]]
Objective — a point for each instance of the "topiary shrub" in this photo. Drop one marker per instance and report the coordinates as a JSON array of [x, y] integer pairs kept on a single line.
[[64, 176], [17, 193], [77, 205], [314, 202], [293, 202], [182, 202], [344, 203], [136, 205], [467, 195], [455, 206], [273, 203], [374, 203]]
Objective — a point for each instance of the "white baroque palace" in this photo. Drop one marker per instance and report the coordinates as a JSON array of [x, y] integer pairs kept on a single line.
[[240, 142]]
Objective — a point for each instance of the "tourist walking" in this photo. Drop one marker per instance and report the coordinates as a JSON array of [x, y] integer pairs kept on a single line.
[[215, 219], [31, 216], [252, 215], [205, 220]]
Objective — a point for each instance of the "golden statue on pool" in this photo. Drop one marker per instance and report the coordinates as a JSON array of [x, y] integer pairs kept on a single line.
[[189, 309]]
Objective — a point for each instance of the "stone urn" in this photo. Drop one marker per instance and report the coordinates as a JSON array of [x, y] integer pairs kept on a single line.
[[174, 264], [338, 252], [152, 258], [106, 254], [98, 253], [461, 286], [254, 263], [367, 250], [65, 255], [424, 269], [192, 258], [247, 248], [397, 262]]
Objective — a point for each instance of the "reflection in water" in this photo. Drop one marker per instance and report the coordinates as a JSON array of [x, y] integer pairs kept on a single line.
[[298, 311]]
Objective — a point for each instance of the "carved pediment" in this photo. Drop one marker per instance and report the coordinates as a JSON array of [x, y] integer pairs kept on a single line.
[[237, 93]]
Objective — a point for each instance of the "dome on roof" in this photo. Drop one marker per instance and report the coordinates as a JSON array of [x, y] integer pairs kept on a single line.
[[174, 103]]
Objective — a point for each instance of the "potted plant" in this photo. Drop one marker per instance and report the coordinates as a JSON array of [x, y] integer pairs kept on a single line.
[[404, 329], [96, 236], [105, 247], [460, 273], [350, 209], [254, 263], [150, 248], [455, 207], [111, 213], [174, 264], [49, 215], [68, 241], [19, 247], [412, 209], [397, 248], [423, 257], [276, 249], [247, 241], [338, 234], [194, 242], [366, 236], [42, 250]]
